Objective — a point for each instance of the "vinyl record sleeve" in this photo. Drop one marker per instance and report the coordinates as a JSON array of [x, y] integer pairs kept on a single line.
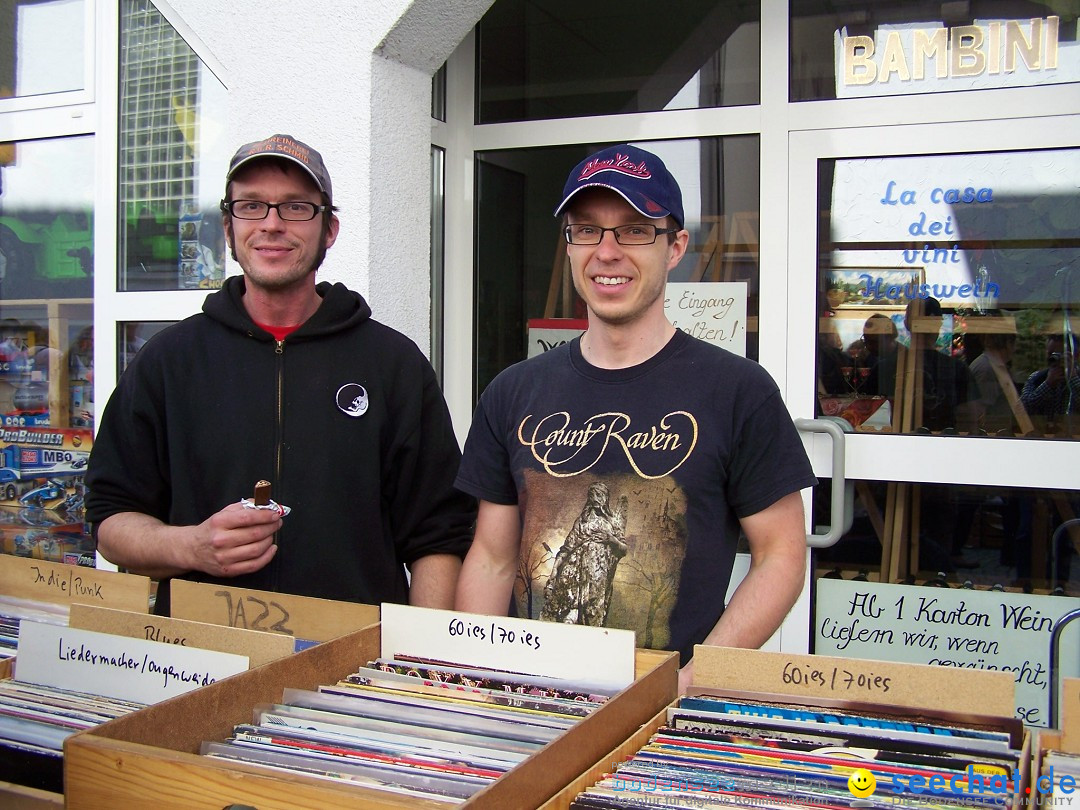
[[701, 719], [452, 791], [558, 705], [404, 744], [363, 724], [426, 718], [495, 679], [449, 701], [258, 736], [839, 718]]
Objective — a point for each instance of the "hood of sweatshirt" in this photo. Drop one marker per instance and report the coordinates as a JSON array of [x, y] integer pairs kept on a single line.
[[341, 308]]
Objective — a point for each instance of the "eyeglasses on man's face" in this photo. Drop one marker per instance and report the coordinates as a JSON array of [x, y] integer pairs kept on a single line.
[[584, 234], [292, 211]]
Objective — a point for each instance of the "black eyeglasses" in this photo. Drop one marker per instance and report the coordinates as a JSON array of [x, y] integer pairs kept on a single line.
[[292, 211], [624, 234]]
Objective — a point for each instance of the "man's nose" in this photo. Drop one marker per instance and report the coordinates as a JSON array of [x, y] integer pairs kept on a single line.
[[608, 243], [273, 220]]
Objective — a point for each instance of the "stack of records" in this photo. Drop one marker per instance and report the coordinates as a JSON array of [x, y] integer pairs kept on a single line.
[[13, 610], [35, 721], [719, 752], [1059, 777], [411, 728]]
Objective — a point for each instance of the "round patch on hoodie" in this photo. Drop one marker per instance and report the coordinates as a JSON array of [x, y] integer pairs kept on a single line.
[[352, 399]]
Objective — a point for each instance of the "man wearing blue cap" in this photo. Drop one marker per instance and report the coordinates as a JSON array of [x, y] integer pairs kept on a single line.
[[615, 472], [287, 380]]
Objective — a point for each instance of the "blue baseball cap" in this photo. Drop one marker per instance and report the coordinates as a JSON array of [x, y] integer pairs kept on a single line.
[[639, 177]]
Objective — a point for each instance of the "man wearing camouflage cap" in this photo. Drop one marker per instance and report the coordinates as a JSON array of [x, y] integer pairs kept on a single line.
[[288, 380]]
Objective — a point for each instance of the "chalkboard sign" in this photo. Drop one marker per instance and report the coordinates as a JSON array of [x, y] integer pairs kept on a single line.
[[950, 627]]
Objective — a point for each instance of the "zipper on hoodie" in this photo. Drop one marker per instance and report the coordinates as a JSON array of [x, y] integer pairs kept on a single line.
[[279, 432]]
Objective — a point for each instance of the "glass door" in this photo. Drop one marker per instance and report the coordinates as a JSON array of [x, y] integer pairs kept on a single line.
[[935, 268]]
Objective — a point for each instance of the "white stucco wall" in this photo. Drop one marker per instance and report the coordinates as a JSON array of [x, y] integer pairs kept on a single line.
[[359, 91]]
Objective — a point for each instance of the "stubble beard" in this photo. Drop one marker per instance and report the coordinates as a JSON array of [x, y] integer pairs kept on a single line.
[[275, 284], [620, 317]]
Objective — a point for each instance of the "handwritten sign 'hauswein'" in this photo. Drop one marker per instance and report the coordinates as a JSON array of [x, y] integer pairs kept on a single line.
[[949, 627]]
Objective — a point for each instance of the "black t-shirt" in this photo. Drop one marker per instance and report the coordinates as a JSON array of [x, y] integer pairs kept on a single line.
[[631, 482]]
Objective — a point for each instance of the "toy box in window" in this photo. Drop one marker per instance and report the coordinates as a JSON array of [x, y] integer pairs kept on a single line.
[[42, 487]]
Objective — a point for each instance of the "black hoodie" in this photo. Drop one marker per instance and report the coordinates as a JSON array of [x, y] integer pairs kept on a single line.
[[344, 417]]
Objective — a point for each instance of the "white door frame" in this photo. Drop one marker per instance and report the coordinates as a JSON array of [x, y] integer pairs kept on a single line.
[[989, 462]]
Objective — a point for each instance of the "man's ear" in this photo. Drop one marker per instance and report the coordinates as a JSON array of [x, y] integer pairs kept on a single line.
[[332, 231], [677, 248]]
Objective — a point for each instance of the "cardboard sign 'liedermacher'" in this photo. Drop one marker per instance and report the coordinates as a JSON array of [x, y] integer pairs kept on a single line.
[[593, 655], [116, 666], [260, 648]]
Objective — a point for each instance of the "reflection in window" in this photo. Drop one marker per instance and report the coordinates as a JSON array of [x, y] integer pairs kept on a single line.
[[132, 336], [522, 271], [42, 47], [46, 282], [547, 59], [438, 94], [46, 218], [884, 49], [46, 346], [972, 536], [948, 302], [172, 162], [975, 578]]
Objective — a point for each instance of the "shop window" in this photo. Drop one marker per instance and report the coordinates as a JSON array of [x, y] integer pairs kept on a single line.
[[1007, 538], [43, 47], [438, 94], [947, 296], [887, 49], [132, 336], [550, 59], [953, 575], [522, 273], [46, 346], [171, 159]]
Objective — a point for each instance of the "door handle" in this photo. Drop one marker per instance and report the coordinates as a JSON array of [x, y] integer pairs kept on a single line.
[[843, 491]]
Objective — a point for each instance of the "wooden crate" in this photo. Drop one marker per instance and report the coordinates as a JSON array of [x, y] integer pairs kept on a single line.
[[150, 758], [748, 674], [1067, 737], [20, 797], [62, 584]]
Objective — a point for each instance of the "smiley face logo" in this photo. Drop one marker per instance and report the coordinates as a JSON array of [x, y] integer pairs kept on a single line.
[[862, 783]]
